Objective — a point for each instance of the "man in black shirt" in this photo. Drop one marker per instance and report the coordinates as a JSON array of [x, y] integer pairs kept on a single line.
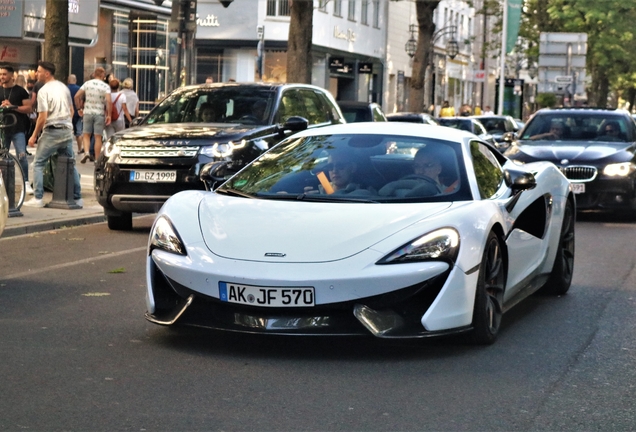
[[12, 94]]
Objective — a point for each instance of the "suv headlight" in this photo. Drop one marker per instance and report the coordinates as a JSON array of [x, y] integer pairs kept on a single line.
[[163, 236], [619, 169], [110, 148], [222, 150], [442, 244]]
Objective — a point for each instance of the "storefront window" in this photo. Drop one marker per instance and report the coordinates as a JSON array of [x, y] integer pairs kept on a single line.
[[275, 69]]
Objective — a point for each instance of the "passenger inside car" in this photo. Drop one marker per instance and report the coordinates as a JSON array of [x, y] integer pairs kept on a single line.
[[611, 131], [340, 168], [207, 114]]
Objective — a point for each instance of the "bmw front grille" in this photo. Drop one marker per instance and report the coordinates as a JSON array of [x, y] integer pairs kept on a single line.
[[579, 173]]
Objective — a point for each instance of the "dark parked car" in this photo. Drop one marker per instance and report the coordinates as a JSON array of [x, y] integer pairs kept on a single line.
[[355, 112], [468, 124], [594, 148], [498, 126], [141, 167], [410, 117]]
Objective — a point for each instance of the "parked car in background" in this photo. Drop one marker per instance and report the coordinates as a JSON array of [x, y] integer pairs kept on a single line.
[[233, 123], [498, 126], [594, 148], [469, 125], [4, 205], [410, 117], [355, 112]]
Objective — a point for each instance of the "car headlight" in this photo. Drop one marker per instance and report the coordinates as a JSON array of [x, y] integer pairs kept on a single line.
[[163, 236], [110, 148], [619, 169], [222, 150], [442, 244]]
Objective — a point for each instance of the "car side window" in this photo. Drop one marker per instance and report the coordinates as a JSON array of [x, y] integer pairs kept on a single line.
[[479, 129], [316, 113], [488, 172], [330, 108], [290, 106], [377, 115]]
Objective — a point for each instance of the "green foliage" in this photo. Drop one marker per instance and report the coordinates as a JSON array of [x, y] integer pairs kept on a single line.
[[546, 100]]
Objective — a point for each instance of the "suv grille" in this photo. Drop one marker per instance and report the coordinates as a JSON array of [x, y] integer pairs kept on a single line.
[[579, 173], [132, 151]]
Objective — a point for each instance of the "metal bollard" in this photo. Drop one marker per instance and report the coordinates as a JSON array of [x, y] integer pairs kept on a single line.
[[7, 166], [63, 197]]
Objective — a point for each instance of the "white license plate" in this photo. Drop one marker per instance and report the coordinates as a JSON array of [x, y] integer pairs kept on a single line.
[[578, 188], [266, 296], [149, 176]]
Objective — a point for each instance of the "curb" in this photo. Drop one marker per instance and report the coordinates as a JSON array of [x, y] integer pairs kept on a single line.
[[52, 225]]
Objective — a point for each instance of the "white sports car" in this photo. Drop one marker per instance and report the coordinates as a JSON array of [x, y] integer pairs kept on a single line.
[[402, 231]]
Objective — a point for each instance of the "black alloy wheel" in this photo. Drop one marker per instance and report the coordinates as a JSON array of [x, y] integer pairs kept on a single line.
[[563, 269], [488, 308]]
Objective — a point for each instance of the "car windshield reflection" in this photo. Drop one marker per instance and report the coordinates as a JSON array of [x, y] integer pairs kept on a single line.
[[564, 128], [356, 168]]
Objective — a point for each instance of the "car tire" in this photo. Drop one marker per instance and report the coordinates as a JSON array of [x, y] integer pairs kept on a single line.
[[563, 268], [120, 223], [488, 309]]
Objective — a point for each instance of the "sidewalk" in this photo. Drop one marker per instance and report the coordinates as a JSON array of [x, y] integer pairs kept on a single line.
[[35, 220]]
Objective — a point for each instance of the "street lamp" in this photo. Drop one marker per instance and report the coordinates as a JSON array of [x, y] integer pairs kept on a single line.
[[411, 44], [452, 50]]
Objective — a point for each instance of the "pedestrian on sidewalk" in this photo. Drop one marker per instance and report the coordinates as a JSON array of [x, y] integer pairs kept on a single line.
[[77, 120], [14, 95], [119, 107], [55, 123], [132, 101], [94, 100]]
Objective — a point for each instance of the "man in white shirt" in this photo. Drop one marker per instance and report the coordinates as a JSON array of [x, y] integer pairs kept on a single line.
[[55, 113], [94, 102]]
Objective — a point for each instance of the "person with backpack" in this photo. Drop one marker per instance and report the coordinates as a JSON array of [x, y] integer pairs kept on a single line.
[[93, 98], [119, 110]]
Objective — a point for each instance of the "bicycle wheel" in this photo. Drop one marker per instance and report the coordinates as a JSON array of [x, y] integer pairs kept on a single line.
[[20, 192]]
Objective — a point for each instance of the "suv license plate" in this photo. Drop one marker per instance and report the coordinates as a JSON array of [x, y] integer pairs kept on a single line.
[[148, 176], [578, 188], [266, 296]]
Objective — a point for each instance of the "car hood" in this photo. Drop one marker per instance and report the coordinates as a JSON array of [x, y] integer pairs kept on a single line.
[[295, 231], [578, 151], [177, 133]]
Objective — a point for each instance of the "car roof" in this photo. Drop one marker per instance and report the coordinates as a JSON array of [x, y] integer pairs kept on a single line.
[[254, 85], [384, 128], [355, 104]]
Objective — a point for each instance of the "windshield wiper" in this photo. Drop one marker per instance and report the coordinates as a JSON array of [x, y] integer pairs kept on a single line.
[[317, 198], [234, 192]]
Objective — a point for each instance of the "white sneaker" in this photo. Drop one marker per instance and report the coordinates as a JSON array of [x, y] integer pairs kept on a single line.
[[28, 188], [34, 202], [80, 202]]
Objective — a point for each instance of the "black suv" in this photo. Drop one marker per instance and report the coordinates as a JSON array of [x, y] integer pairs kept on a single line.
[[141, 167], [595, 148]]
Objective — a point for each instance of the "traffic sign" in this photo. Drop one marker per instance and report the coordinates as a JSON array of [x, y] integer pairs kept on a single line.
[[563, 79]]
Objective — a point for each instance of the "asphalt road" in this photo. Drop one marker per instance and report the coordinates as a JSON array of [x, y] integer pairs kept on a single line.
[[77, 354]]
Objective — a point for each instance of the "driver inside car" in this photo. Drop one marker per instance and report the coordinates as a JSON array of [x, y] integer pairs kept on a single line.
[[341, 169]]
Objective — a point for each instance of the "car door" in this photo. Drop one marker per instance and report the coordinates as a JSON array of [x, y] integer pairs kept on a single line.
[[525, 250]]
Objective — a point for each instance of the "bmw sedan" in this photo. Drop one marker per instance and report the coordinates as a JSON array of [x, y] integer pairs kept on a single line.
[[594, 148]]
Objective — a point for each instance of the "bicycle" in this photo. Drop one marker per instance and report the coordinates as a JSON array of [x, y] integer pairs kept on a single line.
[[7, 120]]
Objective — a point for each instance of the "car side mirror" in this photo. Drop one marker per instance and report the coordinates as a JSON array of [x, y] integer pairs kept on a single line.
[[509, 137], [518, 181], [214, 173], [296, 124], [136, 121]]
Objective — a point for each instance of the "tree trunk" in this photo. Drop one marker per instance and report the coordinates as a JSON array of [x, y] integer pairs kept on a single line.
[[299, 60], [56, 37], [422, 58]]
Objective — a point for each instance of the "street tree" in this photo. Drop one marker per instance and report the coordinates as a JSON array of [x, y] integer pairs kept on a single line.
[[426, 27], [610, 36], [56, 36], [299, 59]]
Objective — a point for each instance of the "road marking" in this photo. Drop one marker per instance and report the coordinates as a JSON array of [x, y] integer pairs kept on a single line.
[[71, 264]]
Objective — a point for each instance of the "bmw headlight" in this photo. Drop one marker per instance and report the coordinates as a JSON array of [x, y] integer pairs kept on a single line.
[[110, 148], [442, 245], [619, 169], [163, 236], [222, 150]]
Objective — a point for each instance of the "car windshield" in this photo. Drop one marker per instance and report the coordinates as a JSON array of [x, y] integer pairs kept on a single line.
[[564, 127], [456, 124], [497, 125], [247, 105], [356, 168]]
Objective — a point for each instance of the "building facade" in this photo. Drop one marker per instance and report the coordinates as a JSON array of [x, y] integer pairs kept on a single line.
[[247, 41]]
